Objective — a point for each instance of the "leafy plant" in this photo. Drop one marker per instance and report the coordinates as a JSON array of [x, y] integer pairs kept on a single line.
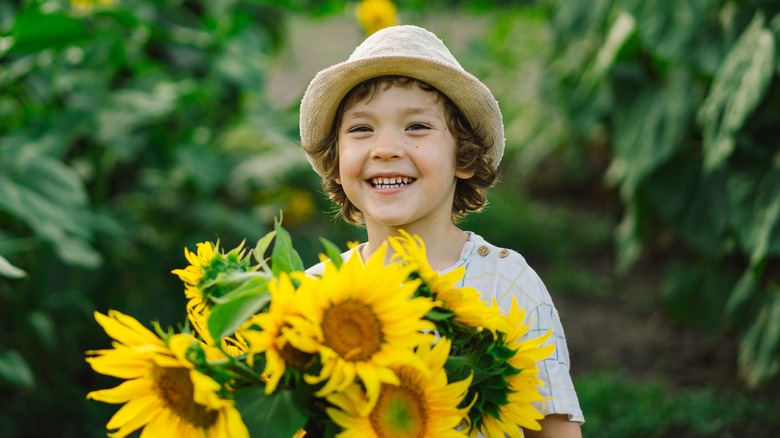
[[686, 96]]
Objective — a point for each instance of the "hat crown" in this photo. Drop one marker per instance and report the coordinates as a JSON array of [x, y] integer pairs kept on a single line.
[[405, 41]]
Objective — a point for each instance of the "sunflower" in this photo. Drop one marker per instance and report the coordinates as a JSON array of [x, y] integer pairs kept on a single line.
[[270, 339], [361, 319], [193, 274], [163, 393], [207, 278], [421, 405], [210, 274], [465, 302], [374, 15], [234, 346], [518, 412]]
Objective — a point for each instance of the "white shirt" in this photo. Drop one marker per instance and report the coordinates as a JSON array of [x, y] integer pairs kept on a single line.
[[502, 274]]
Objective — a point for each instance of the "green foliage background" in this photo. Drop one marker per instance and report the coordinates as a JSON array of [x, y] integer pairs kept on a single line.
[[130, 132]]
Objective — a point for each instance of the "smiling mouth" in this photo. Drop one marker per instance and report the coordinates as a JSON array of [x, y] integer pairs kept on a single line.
[[391, 183]]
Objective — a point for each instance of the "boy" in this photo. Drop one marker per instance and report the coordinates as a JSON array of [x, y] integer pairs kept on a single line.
[[404, 138]]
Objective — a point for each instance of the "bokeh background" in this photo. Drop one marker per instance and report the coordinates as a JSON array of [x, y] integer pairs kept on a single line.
[[641, 179]]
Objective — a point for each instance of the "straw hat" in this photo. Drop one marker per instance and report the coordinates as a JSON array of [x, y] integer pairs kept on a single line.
[[401, 51]]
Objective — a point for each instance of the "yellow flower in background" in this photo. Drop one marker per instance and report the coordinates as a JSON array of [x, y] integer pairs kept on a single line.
[[299, 206], [421, 405], [519, 412], [88, 6], [374, 15], [270, 339], [465, 302], [362, 320], [163, 393]]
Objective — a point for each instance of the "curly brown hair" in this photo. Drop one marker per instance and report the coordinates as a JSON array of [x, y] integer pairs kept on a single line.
[[472, 148]]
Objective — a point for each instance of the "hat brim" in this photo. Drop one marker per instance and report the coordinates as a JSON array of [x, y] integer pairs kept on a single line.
[[328, 88]]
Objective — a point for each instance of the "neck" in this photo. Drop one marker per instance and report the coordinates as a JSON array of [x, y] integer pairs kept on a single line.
[[443, 244]]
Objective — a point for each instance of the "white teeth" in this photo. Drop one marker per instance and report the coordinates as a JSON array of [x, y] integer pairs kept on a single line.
[[392, 182]]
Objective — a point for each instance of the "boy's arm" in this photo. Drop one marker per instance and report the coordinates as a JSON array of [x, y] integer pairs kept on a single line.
[[556, 426]]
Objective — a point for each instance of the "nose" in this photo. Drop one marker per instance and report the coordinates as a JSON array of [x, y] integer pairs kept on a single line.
[[387, 145]]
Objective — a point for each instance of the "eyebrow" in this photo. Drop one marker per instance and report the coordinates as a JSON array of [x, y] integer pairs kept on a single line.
[[411, 111]]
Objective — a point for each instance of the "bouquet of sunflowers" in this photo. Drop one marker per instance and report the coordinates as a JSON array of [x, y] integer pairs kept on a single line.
[[366, 349]]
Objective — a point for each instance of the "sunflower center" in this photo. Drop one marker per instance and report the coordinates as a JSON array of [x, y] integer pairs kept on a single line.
[[352, 330], [175, 389], [401, 411], [295, 357]]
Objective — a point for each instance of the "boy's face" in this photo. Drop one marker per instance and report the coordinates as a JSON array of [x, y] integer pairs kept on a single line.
[[397, 159]]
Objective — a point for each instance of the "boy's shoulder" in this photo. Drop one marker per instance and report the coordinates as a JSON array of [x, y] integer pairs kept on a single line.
[[481, 251], [319, 268]]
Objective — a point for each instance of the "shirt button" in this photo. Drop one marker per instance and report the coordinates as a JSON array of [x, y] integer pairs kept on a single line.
[[503, 253], [484, 250]]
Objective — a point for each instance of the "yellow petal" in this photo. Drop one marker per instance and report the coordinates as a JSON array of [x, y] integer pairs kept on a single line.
[[135, 414], [126, 329], [128, 390]]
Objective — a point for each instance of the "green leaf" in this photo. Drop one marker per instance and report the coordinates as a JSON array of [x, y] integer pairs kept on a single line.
[[51, 199], [248, 283], [737, 89], [628, 236], [742, 295], [332, 251], [622, 29], [10, 271], [262, 246], [649, 131], [670, 32], [270, 416], [34, 31], [759, 348], [226, 318], [756, 207], [769, 350], [696, 293], [14, 370], [691, 202], [284, 258]]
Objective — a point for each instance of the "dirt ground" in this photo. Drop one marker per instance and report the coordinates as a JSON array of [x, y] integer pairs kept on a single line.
[[605, 335]]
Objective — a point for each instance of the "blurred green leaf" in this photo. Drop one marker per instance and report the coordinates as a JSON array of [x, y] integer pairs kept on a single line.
[[649, 132], [620, 31], [757, 213], [34, 31], [10, 271], [226, 318], [759, 349], [691, 203], [270, 416], [14, 370], [696, 293], [284, 258], [668, 31], [332, 251], [42, 326], [742, 296], [737, 89], [50, 197]]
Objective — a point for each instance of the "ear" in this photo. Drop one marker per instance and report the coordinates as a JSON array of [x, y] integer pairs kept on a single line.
[[338, 181], [464, 174]]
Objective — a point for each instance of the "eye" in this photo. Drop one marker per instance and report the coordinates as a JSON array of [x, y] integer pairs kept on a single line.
[[418, 126], [360, 128]]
